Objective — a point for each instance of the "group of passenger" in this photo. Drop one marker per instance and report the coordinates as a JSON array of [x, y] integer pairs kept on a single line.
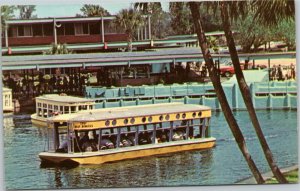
[[89, 143]]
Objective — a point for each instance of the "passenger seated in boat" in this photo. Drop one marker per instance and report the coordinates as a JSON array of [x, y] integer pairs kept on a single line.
[[126, 141], [89, 146], [144, 138], [131, 138], [161, 136], [178, 135], [84, 139], [106, 144], [63, 148]]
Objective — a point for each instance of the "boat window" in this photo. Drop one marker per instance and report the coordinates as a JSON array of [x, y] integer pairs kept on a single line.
[[73, 109], [56, 108], [66, 109], [45, 105]]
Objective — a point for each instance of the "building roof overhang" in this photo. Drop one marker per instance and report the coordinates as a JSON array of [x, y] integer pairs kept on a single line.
[[58, 19]]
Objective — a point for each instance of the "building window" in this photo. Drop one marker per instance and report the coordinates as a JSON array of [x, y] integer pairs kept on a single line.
[[25, 30], [37, 30], [94, 28], [48, 29], [81, 29], [69, 29], [13, 31]]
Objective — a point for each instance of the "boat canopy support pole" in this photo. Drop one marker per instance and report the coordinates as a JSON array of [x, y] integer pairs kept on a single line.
[[154, 133], [118, 137], [99, 139], [136, 140], [56, 136], [187, 131], [171, 131]]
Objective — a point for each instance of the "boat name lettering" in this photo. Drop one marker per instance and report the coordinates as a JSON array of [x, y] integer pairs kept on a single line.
[[84, 125]]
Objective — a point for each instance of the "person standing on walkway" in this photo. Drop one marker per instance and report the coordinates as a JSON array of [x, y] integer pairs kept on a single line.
[[65, 84], [293, 72], [279, 69]]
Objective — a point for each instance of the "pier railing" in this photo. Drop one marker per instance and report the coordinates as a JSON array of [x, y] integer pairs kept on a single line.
[[265, 95]]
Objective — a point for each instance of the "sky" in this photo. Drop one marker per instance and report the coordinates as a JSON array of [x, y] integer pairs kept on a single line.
[[55, 8]]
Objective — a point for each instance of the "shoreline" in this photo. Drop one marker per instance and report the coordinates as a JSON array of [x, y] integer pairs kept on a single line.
[[267, 175]]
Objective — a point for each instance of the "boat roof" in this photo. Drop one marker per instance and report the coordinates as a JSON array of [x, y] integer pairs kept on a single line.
[[128, 112], [4, 89], [63, 98]]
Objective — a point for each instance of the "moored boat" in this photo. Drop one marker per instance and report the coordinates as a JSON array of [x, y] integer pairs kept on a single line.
[[108, 135], [49, 105]]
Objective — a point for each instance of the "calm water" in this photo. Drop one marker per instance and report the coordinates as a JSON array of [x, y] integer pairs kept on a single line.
[[221, 165]]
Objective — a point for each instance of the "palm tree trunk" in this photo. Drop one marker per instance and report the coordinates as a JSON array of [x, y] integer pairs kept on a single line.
[[129, 41], [246, 94], [213, 73]]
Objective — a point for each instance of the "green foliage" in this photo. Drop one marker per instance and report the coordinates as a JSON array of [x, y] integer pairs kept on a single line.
[[94, 10], [129, 20], [7, 12], [285, 31], [272, 12], [212, 43], [251, 33], [26, 11], [181, 18], [159, 18], [58, 49]]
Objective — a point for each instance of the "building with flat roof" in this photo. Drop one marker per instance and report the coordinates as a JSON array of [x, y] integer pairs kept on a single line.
[[76, 31]]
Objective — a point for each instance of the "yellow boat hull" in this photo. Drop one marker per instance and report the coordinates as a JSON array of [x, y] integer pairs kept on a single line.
[[112, 155], [38, 121]]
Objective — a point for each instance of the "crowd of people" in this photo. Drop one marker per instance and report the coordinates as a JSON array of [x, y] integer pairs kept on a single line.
[[281, 73], [70, 84]]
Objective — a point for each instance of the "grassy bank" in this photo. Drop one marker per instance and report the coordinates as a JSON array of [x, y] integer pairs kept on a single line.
[[291, 176]]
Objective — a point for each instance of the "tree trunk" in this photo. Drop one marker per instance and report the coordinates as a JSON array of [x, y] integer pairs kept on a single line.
[[129, 41], [213, 73], [246, 94]]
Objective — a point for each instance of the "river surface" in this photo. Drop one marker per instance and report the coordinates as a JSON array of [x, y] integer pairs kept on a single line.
[[223, 164]]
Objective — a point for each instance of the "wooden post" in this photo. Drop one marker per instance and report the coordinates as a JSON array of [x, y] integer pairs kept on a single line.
[[149, 27], [54, 31], [145, 30], [6, 38], [102, 29]]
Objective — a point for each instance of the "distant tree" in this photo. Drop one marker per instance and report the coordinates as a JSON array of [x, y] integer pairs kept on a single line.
[[251, 33], [129, 20], [94, 10], [286, 32], [181, 18], [26, 11], [58, 49], [160, 20], [7, 12]]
